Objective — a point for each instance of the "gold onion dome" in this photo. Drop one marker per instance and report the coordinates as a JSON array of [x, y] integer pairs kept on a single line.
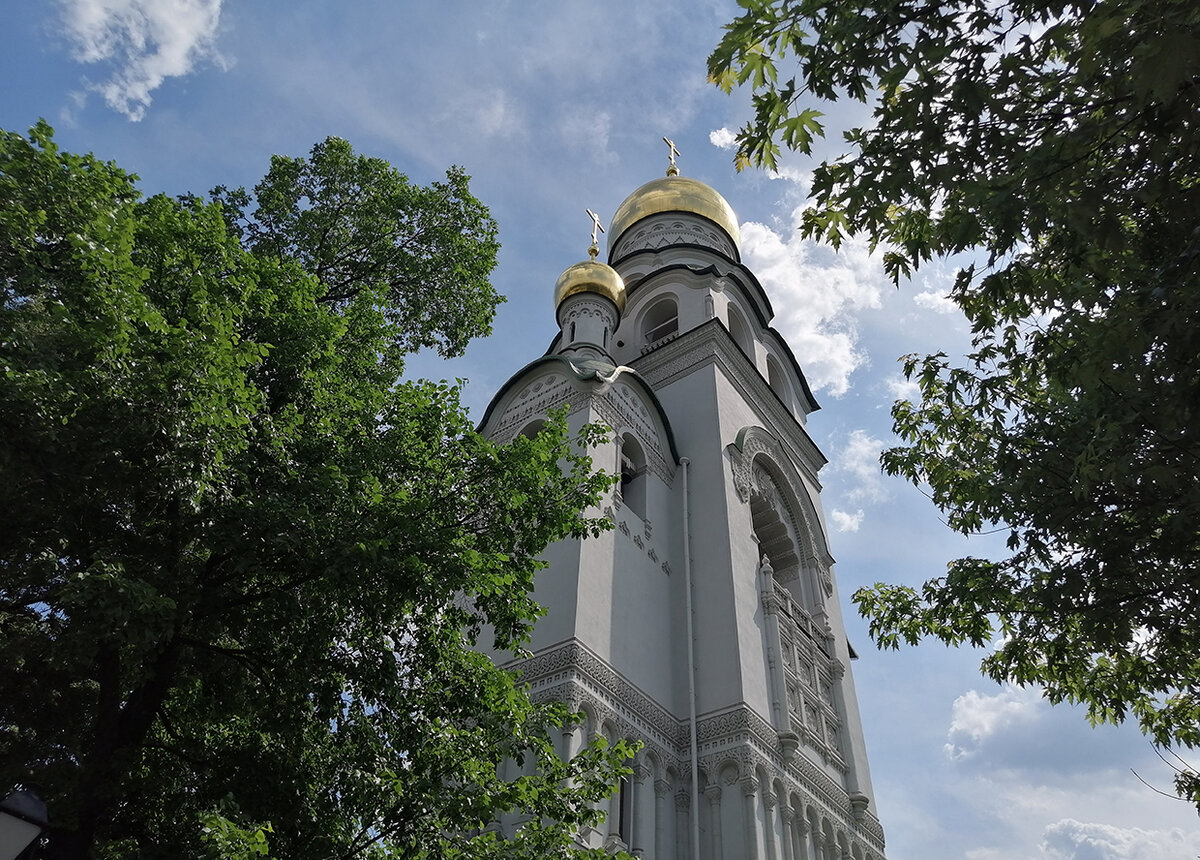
[[590, 276], [674, 193]]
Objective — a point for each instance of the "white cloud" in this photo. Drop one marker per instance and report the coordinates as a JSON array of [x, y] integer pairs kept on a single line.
[[844, 522], [903, 389], [938, 302], [976, 717], [816, 293], [860, 459], [722, 138], [148, 40], [1069, 839]]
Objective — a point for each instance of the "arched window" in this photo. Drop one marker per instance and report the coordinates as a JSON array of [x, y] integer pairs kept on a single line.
[[778, 382], [774, 523], [533, 428], [633, 475], [660, 321], [625, 812], [740, 332]]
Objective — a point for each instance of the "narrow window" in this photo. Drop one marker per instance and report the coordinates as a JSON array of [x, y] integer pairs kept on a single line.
[[740, 332], [625, 814], [633, 475], [778, 381]]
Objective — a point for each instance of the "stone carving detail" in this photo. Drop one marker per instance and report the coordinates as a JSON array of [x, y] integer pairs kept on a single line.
[[559, 661], [666, 568], [533, 401], [663, 230], [738, 737], [585, 306], [623, 410], [750, 478], [652, 555]]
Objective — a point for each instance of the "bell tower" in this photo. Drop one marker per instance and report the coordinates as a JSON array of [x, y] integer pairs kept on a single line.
[[707, 623]]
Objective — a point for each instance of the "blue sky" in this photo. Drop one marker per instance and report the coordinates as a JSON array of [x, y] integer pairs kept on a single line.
[[557, 106]]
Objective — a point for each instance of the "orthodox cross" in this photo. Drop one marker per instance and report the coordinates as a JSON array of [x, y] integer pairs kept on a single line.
[[671, 153], [596, 225]]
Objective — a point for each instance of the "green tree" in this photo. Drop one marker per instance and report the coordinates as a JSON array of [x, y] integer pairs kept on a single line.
[[242, 566], [1059, 144]]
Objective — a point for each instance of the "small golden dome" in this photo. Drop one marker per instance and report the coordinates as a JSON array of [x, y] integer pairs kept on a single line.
[[674, 194], [590, 276]]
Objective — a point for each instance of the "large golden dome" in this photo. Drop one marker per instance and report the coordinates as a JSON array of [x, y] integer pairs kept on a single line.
[[674, 194], [590, 276]]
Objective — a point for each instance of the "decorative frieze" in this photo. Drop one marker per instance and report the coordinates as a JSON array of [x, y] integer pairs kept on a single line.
[[664, 230]]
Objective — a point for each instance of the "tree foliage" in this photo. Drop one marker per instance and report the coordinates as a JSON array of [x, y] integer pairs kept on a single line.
[[242, 566], [1058, 142]]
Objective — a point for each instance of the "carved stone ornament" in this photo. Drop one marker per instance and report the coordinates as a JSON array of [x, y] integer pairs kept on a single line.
[[749, 478]]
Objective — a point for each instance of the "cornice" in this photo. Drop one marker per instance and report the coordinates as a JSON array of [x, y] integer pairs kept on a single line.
[[710, 343], [570, 671]]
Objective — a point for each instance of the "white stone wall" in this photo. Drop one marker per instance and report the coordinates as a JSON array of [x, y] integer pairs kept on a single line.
[[781, 768]]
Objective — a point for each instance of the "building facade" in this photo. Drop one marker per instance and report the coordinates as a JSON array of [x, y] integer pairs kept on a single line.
[[706, 624]]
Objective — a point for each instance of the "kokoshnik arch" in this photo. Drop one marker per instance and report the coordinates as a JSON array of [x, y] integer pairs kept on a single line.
[[707, 624]]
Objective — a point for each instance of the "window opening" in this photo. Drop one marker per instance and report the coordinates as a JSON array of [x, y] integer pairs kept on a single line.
[[740, 333], [662, 320], [625, 811], [633, 475], [778, 381]]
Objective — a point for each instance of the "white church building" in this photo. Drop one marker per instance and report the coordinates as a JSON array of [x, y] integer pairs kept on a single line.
[[707, 623]]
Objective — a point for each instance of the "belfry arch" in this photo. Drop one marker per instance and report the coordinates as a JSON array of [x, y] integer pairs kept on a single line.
[[774, 521], [755, 459]]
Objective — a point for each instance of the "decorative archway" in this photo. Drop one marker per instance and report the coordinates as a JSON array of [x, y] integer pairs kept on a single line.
[[779, 500]]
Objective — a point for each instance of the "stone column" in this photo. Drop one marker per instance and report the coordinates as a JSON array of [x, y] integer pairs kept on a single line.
[[749, 816], [683, 832], [661, 787], [572, 734], [822, 846], [803, 831], [640, 807], [789, 829], [713, 793], [778, 685], [769, 801]]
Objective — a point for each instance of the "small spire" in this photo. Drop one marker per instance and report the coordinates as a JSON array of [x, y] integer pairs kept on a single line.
[[594, 250], [672, 170]]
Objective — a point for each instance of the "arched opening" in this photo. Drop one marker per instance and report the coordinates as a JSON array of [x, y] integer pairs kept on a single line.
[[632, 464], [776, 534], [660, 321], [778, 381], [740, 332], [625, 811], [533, 428], [775, 524]]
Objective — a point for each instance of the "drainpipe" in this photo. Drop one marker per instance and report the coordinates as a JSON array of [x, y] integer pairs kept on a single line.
[[691, 655]]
